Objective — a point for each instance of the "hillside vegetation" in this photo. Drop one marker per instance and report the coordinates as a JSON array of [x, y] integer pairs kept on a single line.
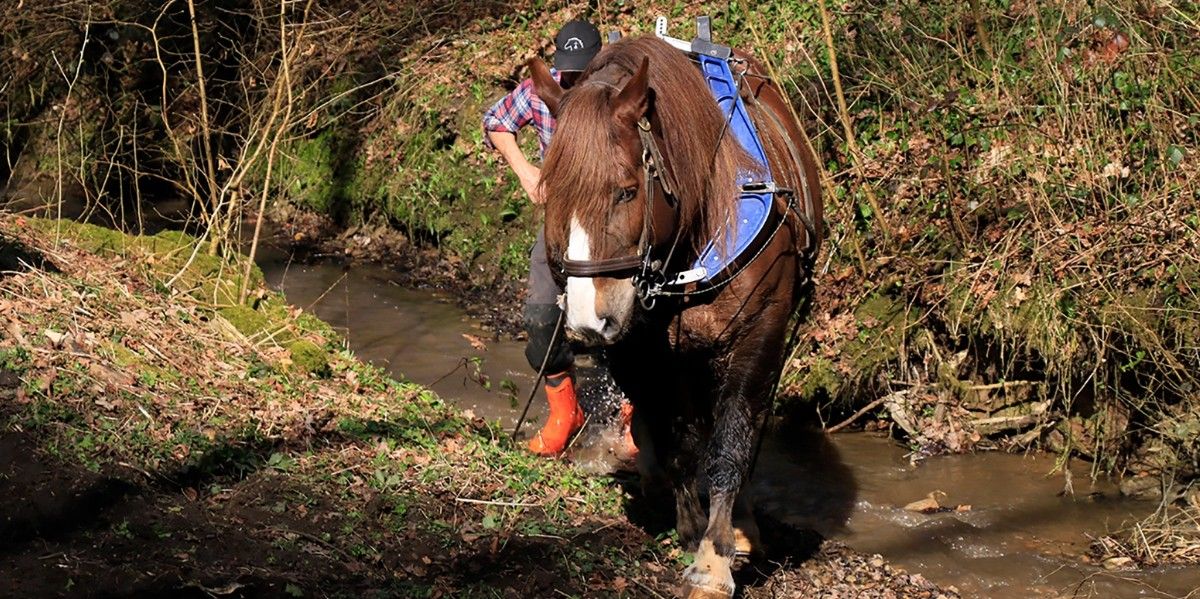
[[1012, 186]]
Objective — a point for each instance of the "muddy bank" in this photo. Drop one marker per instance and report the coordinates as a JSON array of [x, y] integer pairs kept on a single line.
[[168, 440]]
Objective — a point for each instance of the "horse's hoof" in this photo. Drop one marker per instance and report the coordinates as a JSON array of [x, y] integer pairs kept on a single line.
[[709, 577], [742, 543], [691, 592]]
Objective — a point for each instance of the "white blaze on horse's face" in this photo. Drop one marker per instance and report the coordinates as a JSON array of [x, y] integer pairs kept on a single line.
[[598, 309]]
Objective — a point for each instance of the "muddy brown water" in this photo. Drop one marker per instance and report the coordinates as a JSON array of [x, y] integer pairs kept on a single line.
[[1021, 536]]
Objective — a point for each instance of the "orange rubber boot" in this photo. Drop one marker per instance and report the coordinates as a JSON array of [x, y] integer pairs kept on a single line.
[[564, 420], [627, 427]]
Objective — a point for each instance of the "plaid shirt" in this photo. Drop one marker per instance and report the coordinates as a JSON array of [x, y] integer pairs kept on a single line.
[[521, 107]]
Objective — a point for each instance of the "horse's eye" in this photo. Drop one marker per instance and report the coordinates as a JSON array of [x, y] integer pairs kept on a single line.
[[625, 194]]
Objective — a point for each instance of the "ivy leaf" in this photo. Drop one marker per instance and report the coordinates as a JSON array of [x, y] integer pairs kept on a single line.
[[1175, 155]]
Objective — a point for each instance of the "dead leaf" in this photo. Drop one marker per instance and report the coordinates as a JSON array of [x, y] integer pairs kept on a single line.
[[14, 330], [56, 338], [107, 405], [1119, 563], [134, 318], [475, 341], [928, 505]]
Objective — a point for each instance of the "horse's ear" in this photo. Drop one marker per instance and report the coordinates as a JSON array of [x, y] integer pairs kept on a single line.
[[633, 100], [543, 82]]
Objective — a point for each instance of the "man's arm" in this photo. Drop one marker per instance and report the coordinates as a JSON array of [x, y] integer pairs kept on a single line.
[[501, 123], [527, 173]]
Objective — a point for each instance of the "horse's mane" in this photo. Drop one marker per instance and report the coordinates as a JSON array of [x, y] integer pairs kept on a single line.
[[579, 164]]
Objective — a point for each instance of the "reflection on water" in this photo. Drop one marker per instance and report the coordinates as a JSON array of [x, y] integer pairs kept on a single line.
[[1019, 538]]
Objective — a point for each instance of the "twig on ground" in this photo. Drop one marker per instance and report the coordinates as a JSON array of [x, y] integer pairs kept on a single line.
[[496, 503], [867, 408]]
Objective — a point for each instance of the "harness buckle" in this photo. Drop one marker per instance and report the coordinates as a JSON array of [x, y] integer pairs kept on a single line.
[[649, 283], [647, 292]]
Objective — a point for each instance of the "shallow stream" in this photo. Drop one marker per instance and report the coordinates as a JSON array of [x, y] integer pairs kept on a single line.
[[1021, 536]]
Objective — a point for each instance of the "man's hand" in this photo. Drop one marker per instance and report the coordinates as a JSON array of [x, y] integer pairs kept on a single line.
[[530, 176], [527, 173]]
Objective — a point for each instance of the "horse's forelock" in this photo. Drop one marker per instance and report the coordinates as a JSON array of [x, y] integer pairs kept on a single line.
[[582, 171]]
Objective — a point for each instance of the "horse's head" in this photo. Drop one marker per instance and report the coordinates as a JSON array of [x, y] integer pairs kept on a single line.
[[639, 99], [595, 196]]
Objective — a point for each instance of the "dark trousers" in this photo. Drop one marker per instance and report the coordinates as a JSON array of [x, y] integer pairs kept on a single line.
[[542, 314]]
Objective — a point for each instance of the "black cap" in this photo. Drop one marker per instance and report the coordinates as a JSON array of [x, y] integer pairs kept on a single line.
[[575, 45]]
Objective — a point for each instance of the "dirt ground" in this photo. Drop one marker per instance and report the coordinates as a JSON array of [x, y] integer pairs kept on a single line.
[[74, 533], [69, 532]]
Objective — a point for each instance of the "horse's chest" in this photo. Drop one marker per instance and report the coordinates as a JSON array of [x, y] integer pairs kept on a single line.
[[697, 328]]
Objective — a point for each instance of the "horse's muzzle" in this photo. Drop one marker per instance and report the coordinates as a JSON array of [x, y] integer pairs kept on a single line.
[[604, 332]]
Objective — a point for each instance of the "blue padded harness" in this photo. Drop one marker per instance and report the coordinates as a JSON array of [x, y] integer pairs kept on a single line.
[[756, 201]]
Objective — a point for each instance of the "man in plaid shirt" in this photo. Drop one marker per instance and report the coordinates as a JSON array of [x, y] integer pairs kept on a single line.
[[575, 45]]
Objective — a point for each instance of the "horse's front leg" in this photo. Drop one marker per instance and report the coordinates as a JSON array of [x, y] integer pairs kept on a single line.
[[727, 463], [737, 412]]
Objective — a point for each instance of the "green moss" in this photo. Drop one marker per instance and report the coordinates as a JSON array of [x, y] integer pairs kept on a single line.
[[88, 237], [166, 242], [309, 358], [820, 379], [246, 320], [309, 323], [211, 279], [121, 356], [306, 177]]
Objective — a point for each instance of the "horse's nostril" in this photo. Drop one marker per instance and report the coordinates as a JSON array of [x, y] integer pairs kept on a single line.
[[609, 328]]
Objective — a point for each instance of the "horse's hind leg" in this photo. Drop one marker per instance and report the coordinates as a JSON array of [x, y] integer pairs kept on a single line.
[[746, 538]]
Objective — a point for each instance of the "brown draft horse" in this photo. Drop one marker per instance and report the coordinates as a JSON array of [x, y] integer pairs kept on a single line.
[[700, 368]]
